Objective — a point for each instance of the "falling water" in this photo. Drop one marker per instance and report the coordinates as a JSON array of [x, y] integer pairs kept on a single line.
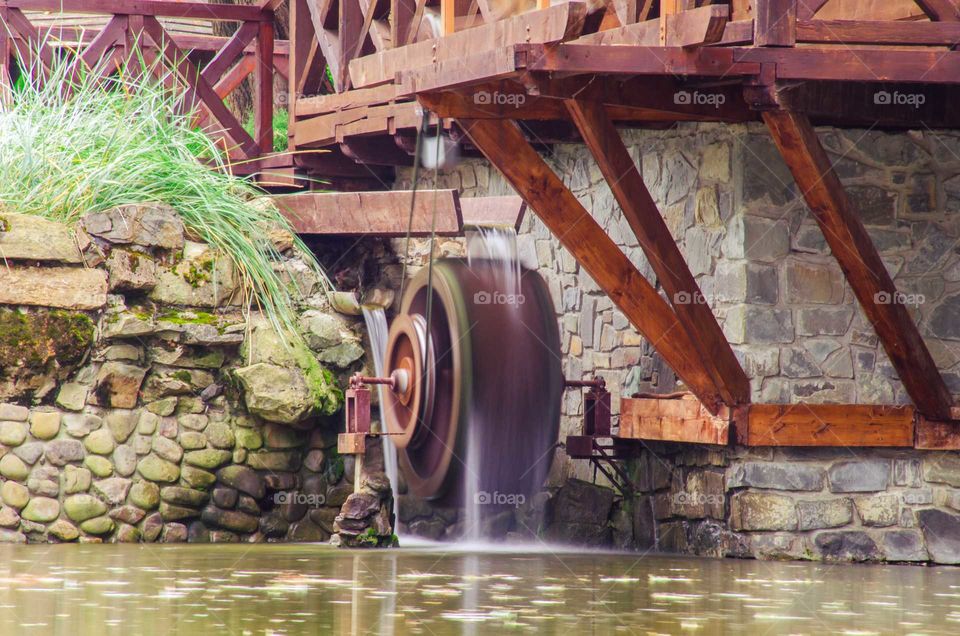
[[376, 321], [496, 247]]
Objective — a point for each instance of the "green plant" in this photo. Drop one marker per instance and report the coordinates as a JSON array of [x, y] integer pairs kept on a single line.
[[70, 146], [281, 126]]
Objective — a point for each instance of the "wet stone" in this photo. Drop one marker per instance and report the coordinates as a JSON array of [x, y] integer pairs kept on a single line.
[[152, 526], [243, 479], [128, 514], [847, 546], [941, 530], [230, 520], [127, 534], [63, 530], [903, 545], [225, 497]]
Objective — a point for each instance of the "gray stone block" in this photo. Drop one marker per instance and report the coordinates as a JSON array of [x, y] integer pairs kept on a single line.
[[941, 531], [903, 545], [847, 546], [776, 476], [870, 475]]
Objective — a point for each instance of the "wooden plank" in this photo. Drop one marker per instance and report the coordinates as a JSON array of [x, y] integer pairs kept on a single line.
[[776, 22], [156, 8], [878, 32], [112, 34], [856, 425], [372, 213], [230, 51], [350, 39], [558, 23], [493, 211], [506, 148], [336, 102], [6, 53], [928, 66], [639, 60], [677, 420], [806, 9], [695, 27], [660, 248], [263, 94], [327, 129], [941, 10], [861, 263], [937, 435]]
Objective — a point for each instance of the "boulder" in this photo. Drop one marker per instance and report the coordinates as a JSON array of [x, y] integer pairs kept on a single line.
[[145, 495], [118, 385], [83, 507], [41, 509], [45, 424], [75, 288], [204, 278], [34, 238], [156, 469], [274, 393], [230, 519], [847, 546], [146, 224], [131, 271], [582, 502], [243, 479], [113, 491]]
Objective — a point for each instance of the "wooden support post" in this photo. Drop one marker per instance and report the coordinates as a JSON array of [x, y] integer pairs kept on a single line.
[[448, 17], [940, 10], [263, 99], [6, 79], [640, 210], [776, 23], [860, 261], [506, 148]]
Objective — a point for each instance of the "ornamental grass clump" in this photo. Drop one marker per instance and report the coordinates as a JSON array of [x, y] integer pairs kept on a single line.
[[74, 145]]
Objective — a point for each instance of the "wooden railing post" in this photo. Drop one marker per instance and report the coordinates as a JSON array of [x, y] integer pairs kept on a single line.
[[263, 106], [6, 80], [776, 23]]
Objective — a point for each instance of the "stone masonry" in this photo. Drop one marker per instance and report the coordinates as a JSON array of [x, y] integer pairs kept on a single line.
[[764, 268]]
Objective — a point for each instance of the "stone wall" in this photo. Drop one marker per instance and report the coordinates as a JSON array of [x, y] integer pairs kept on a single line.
[[764, 268], [142, 400]]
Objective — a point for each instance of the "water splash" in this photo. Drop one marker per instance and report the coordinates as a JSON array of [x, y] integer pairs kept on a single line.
[[498, 245], [375, 320]]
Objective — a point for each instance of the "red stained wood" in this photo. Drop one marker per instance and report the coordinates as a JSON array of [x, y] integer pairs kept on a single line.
[[628, 60], [853, 425], [859, 260], [490, 211], [878, 32], [372, 213], [776, 22], [937, 435], [640, 210], [263, 94], [942, 10], [507, 149], [673, 420], [156, 8], [230, 51]]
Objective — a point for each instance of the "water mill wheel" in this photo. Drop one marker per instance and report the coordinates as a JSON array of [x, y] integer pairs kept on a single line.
[[478, 381]]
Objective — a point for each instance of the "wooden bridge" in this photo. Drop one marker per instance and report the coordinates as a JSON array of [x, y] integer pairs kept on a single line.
[[576, 71]]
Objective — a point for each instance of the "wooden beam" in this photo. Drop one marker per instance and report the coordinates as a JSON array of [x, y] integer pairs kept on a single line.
[[558, 23], [660, 248], [861, 263], [6, 53], [806, 9], [928, 66], [372, 213], [493, 211], [156, 8], [681, 419], [776, 22], [940, 10], [695, 27], [506, 148], [878, 32], [637, 60], [854, 425], [230, 51], [937, 435], [263, 95]]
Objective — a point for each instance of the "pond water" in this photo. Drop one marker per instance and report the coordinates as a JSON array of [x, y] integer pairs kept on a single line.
[[313, 589]]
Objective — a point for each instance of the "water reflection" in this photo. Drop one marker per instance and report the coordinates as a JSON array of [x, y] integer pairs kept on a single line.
[[307, 589]]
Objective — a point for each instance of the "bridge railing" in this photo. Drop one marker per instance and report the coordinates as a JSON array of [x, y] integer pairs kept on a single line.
[[210, 68]]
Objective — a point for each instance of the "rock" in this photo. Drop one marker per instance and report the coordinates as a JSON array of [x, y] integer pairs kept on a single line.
[[167, 449], [314, 460], [125, 324], [63, 287], [582, 502], [183, 496], [824, 321], [44, 481], [173, 355], [847, 546], [128, 514], [122, 424], [941, 530], [81, 424], [147, 225], [197, 478], [14, 495], [276, 394], [162, 407], [12, 433], [12, 467], [127, 534], [99, 442], [13, 412], [33, 238], [220, 435], [243, 479], [827, 513], [943, 323], [145, 495], [75, 480], [878, 510], [30, 452], [776, 476], [83, 507], [45, 424], [193, 421], [113, 491], [125, 460], [118, 385], [147, 422], [131, 271], [760, 511], [98, 525], [942, 468], [754, 324], [10, 536], [154, 468], [811, 283], [41, 509], [99, 466], [359, 506], [274, 461], [274, 526], [172, 512], [63, 530], [164, 382], [152, 526], [174, 533], [248, 504], [904, 545], [208, 458], [229, 519], [342, 355], [307, 532], [204, 278], [859, 476], [278, 436], [248, 438], [337, 495], [320, 330], [225, 497], [192, 440]]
